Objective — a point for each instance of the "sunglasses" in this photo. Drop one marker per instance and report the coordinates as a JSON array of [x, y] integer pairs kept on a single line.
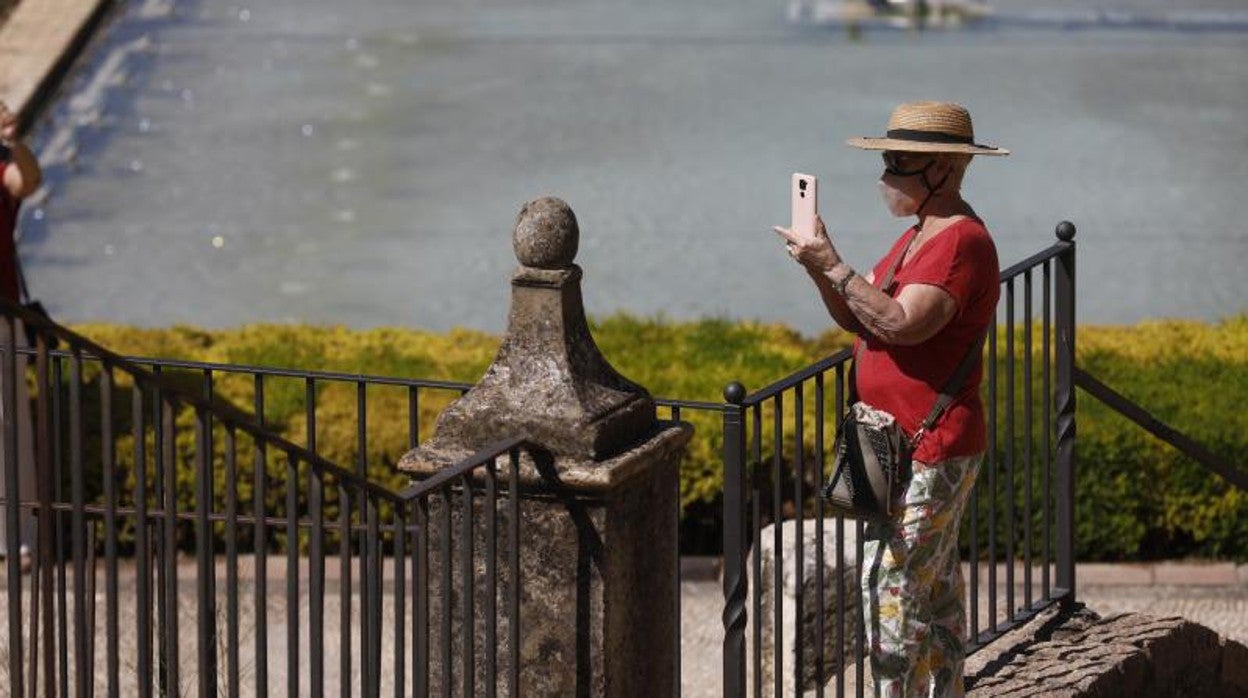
[[904, 164]]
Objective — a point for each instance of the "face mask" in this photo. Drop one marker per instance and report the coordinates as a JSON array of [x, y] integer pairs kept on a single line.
[[898, 202]]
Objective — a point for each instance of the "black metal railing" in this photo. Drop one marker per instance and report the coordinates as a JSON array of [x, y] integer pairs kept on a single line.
[[1020, 517], [259, 500], [1175, 438], [350, 523]]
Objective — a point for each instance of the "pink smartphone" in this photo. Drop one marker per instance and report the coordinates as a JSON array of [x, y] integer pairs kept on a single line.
[[805, 202]]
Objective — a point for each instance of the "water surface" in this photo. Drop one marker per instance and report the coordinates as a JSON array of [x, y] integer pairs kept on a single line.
[[362, 163]]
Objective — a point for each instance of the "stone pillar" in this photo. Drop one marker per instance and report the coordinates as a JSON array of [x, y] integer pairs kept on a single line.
[[840, 576], [598, 510]]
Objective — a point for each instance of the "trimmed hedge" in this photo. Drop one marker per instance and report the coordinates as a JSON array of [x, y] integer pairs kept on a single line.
[[1136, 497]]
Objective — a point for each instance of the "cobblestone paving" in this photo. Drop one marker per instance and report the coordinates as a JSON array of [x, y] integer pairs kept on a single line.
[[1223, 609]]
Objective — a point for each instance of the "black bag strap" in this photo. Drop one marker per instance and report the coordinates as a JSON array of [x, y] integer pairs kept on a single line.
[[949, 391], [892, 269]]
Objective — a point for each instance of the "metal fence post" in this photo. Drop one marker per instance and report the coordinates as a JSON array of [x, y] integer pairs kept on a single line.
[[735, 581], [1065, 425]]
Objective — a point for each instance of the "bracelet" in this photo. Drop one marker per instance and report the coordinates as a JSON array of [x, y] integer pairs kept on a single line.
[[844, 283]]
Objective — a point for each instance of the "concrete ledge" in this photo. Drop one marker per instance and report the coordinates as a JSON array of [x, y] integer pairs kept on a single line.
[[37, 43], [1210, 574]]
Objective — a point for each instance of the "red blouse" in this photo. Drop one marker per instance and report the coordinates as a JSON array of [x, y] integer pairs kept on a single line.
[[905, 380]]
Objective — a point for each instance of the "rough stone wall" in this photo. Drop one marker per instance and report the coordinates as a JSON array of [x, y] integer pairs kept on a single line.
[[1126, 654]]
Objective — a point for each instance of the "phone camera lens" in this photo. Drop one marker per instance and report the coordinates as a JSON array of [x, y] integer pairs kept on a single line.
[[801, 184]]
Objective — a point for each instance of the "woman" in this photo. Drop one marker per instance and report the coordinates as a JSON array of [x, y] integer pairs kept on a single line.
[[911, 338]]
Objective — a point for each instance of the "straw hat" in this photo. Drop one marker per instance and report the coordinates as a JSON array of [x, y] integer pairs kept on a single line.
[[929, 127]]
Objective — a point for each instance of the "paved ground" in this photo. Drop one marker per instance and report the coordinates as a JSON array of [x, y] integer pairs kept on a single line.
[[1214, 595]]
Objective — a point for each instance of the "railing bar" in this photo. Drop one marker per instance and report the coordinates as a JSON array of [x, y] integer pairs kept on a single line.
[[445, 609], [271, 372], [260, 544], [1011, 533], [467, 589], [513, 553], [770, 391], [159, 452], [820, 611], [43, 634], [413, 417], [973, 534], [82, 668], [367, 677], [92, 569], [96, 511], [799, 503], [233, 687], [400, 602], [1174, 438], [205, 602], [699, 405], [860, 639], [292, 575], [108, 458], [37, 575], [1044, 256], [143, 573], [1066, 418], [838, 402], [344, 588], [420, 602], [756, 540], [1028, 415], [777, 562], [58, 467], [169, 549], [490, 613], [676, 611], [1048, 427], [371, 570], [316, 581], [435, 482], [992, 475], [12, 511], [89, 352]]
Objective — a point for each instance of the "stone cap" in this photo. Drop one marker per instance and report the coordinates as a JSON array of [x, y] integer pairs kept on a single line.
[[549, 382]]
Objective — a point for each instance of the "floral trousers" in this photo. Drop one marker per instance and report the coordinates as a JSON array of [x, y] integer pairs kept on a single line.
[[914, 610]]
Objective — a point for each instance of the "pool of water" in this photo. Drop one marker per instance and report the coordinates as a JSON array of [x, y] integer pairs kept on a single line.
[[323, 161]]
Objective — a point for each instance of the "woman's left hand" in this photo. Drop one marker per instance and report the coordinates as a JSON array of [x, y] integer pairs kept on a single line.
[[816, 253]]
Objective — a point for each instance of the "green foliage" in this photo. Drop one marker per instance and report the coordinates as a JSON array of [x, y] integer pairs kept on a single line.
[[1135, 496]]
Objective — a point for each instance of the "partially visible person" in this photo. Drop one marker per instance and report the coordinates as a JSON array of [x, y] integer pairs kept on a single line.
[[20, 177], [912, 334]]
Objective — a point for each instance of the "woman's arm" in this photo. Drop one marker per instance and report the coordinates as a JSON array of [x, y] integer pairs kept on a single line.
[[913, 317], [918, 312], [24, 178], [835, 303]]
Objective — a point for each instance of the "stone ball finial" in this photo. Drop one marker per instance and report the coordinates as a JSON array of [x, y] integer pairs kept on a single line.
[[546, 235], [1065, 231]]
